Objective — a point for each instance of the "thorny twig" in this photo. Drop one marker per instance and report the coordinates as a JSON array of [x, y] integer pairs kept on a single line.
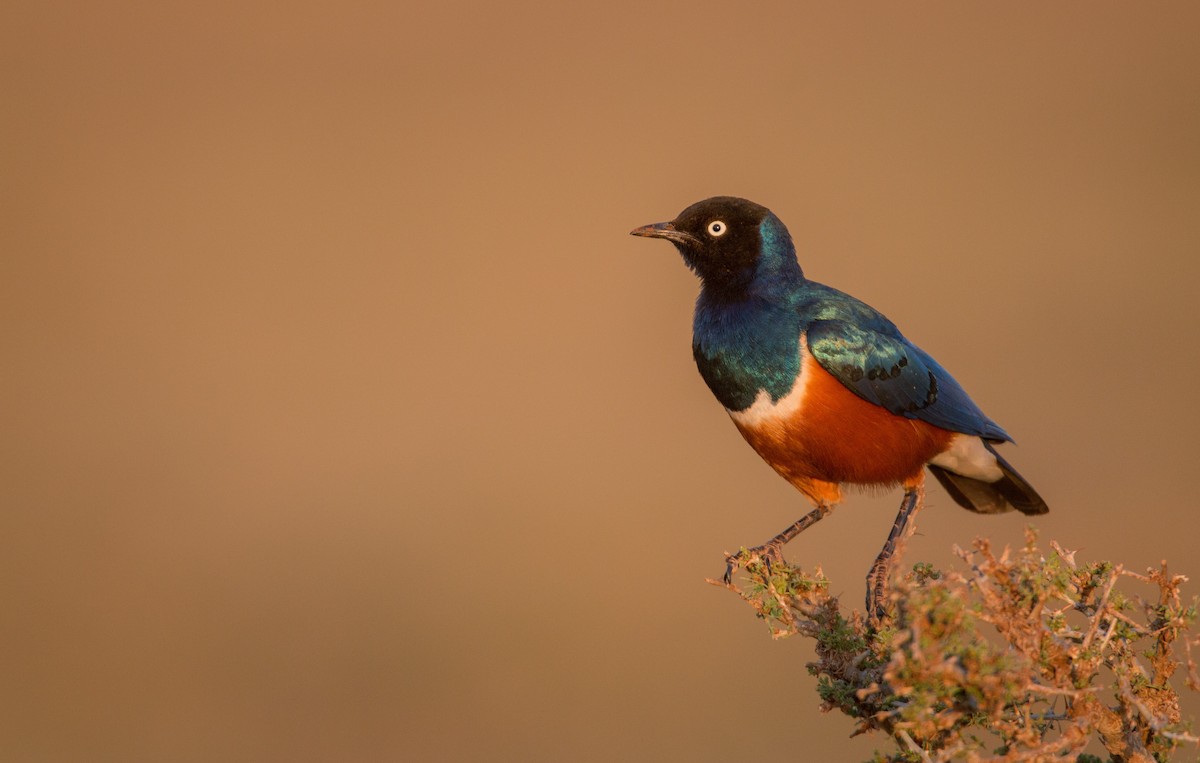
[[945, 688]]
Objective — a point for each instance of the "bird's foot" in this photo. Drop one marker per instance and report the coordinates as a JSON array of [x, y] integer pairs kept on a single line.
[[878, 581], [773, 549], [767, 552], [878, 596]]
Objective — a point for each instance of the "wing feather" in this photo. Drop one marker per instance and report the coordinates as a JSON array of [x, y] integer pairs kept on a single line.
[[893, 373]]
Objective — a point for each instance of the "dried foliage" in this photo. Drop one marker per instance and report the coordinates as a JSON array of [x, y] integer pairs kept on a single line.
[[1020, 656]]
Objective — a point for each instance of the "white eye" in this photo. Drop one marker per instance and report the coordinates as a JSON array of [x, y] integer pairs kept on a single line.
[[717, 228]]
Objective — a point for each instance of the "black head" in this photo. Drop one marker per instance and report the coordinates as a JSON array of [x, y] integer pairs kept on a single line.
[[721, 239]]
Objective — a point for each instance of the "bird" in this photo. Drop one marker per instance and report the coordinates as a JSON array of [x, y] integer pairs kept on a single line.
[[827, 389]]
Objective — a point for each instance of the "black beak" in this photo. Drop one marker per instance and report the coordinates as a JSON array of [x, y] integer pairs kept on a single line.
[[667, 231]]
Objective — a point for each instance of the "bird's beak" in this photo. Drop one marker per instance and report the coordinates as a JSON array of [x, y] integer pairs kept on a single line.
[[667, 231]]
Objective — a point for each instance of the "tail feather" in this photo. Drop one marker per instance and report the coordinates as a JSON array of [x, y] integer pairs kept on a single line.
[[1009, 492]]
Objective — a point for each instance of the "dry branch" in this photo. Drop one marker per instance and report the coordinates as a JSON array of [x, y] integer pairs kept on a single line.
[[985, 663]]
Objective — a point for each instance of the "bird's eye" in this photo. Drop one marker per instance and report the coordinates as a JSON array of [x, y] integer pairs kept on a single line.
[[717, 228]]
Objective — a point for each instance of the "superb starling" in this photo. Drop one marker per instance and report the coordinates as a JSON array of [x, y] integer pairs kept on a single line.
[[824, 387]]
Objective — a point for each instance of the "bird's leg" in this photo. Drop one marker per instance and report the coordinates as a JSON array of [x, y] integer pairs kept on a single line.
[[877, 579], [773, 549]]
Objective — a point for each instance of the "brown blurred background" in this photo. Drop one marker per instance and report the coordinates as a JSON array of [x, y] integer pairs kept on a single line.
[[342, 419]]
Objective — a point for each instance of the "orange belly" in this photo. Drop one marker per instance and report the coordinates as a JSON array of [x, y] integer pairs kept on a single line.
[[837, 437]]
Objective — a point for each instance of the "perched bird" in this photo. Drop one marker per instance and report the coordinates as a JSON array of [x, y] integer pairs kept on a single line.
[[824, 387]]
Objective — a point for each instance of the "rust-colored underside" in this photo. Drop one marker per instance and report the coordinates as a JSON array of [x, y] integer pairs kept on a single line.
[[837, 437]]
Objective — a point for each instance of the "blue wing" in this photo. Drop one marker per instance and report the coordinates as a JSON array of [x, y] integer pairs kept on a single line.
[[889, 371]]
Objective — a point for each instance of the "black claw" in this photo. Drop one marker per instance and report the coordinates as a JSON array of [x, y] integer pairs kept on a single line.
[[731, 564]]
